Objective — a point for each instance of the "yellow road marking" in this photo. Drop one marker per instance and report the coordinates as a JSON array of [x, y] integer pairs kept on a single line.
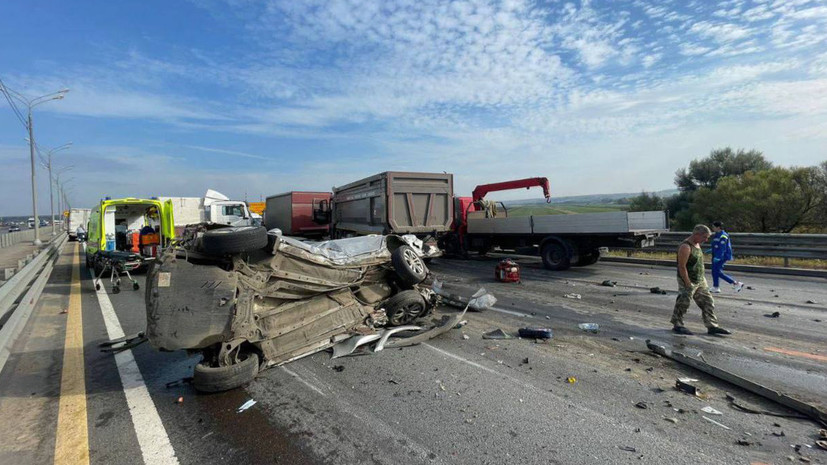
[[72, 442], [796, 353]]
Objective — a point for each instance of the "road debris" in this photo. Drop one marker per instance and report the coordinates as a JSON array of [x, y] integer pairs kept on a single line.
[[179, 382], [609, 283], [535, 333], [461, 324], [812, 302], [571, 380], [507, 271], [779, 434], [711, 411], [480, 301], [715, 422], [671, 420], [179, 400], [497, 334], [573, 296], [657, 290], [465, 337], [338, 368], [246, 405], [685, 385], [744, 442], [627, 448], [734, 403], [642, 405], [811, 411], [822, 444], [592, 327], [772, 315]]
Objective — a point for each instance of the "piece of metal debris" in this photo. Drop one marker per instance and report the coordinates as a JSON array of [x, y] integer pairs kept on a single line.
[[657, 290], [715, 422], [572, 295], [684, 385], [627, 448], [591, 327], [246, 405], [497, 334], [609, 283], [744, 442], [811, 411], [772, 315], [711, 411], [642, 405]]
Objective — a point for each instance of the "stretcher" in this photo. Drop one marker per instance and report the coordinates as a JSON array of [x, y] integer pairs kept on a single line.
[[118, 263]]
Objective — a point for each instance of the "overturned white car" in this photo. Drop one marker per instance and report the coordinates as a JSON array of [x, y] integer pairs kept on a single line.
[[246, 299]]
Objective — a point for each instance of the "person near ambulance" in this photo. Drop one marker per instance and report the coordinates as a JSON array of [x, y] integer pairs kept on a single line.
[[721, 253]]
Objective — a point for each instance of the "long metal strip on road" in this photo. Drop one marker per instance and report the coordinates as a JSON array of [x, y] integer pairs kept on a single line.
[[152, 436]]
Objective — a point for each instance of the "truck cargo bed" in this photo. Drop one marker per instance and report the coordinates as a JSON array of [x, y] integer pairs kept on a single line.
[[584, 223]]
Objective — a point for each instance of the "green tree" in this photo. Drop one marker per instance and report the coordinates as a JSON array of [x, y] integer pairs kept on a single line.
[[774, 200], [645, 202], [720, 163]]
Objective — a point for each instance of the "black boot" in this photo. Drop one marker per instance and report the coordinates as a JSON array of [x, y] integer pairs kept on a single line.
[[682, 330], [715, 330]]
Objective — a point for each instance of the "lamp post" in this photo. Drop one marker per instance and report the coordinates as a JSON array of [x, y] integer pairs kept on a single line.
[[47, 163], [56, 181], [11, 96]]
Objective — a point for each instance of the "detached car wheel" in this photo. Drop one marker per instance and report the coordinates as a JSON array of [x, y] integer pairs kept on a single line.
[[405, 307], [408, 266], [216, 379], [225, 241]]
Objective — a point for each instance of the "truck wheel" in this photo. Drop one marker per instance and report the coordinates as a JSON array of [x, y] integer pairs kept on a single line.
[[408, 265], [588, 258], [404, 308], [555, 256], [224, 241], [216, 379]]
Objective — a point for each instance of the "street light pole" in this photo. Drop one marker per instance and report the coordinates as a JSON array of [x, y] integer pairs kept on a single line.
[[30, 104], [48, 164]]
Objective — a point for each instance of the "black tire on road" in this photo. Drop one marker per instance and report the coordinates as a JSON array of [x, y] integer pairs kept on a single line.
[[408, 266], [216, 379], [555, 256], [405, 307], [238, 239], [588, 258]]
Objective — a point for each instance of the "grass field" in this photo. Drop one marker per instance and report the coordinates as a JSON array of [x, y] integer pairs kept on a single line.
[[561, 209], [759, 261]]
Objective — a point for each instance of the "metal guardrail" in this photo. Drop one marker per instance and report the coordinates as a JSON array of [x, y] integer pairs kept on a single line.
[[12, 238], [786, 246]]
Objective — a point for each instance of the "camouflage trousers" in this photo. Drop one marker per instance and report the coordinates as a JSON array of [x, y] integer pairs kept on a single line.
[[699, 292]]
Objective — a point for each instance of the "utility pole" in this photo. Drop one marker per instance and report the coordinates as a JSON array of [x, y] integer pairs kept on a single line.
[[48, 164], [34, 183]]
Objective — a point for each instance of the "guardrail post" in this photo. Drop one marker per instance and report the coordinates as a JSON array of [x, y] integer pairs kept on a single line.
[[786, 262], [628, 253]]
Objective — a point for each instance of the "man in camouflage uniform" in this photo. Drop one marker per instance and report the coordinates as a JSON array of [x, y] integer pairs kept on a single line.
[[692, 284]]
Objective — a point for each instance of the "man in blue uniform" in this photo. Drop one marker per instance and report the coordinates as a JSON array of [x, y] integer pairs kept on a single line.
[[721, 253]]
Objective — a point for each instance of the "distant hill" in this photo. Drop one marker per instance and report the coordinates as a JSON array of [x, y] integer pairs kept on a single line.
[[593, 199]]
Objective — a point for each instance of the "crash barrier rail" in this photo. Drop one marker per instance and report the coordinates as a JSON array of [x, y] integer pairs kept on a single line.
[[786, 246], [19, 294], [12, 238]]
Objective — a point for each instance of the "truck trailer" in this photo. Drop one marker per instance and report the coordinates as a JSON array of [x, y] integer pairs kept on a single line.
[[394, 202], [297, 213], [561, 241], [77, 217]]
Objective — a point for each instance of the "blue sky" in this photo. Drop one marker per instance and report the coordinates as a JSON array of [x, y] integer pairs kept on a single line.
[[257, 97]]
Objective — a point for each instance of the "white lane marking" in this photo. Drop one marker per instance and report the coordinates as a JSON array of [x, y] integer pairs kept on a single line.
[[303, 381], [510, 312], [481, 367], [152, 436]]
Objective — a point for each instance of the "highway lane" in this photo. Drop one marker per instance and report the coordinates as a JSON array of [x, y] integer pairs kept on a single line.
[[453, 400]]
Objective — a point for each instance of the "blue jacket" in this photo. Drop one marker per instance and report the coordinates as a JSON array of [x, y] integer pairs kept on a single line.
[[721, 247]]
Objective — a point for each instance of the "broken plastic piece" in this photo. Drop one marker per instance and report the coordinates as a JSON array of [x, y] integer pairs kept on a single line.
[[711, 411], [389, 332], [609, 283], [349, 346], [593, 327], [571, 380], [573, 296], [715, 422], [246, 405]]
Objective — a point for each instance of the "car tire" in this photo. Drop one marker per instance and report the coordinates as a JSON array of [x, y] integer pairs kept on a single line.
[[216, 379], [408, 266], [405, 307], [232, 240], [588, 258], [555, 256]]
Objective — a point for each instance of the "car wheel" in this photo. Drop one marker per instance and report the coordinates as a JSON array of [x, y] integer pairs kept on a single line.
[[224, 241], [588, 258], [404, 307], [216, 379], [408, 266], [555, 257]]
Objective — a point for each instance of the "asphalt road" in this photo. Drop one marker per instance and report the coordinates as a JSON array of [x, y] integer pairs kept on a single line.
[[452, 400]]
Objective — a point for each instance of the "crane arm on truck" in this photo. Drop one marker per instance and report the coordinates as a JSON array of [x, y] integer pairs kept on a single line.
[[481, 191]]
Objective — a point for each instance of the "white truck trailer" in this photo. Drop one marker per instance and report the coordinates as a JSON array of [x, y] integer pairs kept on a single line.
[[77, 217]]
